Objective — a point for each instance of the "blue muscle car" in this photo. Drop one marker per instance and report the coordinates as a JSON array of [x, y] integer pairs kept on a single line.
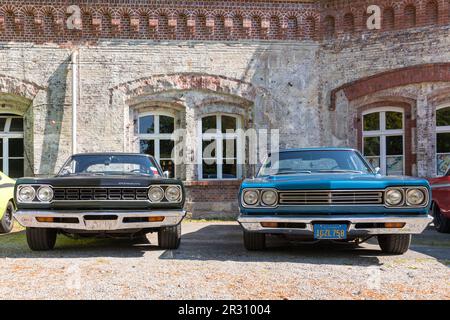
[[331, 193]]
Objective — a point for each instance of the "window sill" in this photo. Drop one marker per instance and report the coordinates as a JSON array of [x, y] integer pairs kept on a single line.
[[212, 183]]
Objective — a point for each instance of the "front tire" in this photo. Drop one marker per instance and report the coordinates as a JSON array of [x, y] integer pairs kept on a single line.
[[169, 237], [41, 239], [441, 223], [254, 241], [394, 243], [7, 222]]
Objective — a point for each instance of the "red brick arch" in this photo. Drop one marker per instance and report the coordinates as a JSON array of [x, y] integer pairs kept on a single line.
[[437, 72]]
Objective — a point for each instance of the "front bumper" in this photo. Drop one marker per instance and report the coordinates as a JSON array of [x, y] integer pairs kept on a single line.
[[99, 220], [358, 225]]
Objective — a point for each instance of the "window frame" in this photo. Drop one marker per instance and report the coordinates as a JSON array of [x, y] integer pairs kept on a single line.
[[383, 133], [219, 136], [5, 135], [157, 136], [440, 129]]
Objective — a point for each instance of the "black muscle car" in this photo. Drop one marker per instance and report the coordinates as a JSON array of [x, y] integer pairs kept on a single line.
[[102, 194]]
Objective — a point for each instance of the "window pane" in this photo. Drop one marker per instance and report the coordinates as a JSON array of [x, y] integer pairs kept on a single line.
[[16, 147], [16, 168], [147, 124], [394, 166], [443, 142], [372, 122], [168, 165], [443, 163], [166, 124], [16, 125], [209, 149], [2, 124], [209, 170], [209, 123], [443, 117], [229, 148], [229, 171], [147, 147], [372, 146], [1, 147], [394, 145], [165, 148], [394, 120], [228, 123]]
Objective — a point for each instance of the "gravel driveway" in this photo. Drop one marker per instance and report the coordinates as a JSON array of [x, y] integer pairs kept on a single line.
[[212, 264]]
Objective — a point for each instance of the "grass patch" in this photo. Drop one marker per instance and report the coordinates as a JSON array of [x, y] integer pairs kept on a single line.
[[433, 243]]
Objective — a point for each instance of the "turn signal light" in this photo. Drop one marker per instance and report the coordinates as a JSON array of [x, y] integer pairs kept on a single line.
[[44, 219], [156, 219], [269, 224], [394, 225]]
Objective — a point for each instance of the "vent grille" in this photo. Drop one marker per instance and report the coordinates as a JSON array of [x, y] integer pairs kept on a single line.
[[92, 194], [330, 197]]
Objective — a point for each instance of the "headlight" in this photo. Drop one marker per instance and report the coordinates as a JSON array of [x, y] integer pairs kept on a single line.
[[269, 197], [26, 194], [415, 197], [45, 194], [394, 197], [251, 197], [155, 194], [173, 193]]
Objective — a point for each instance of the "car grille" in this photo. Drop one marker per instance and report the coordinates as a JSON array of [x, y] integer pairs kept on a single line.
[[87, 194], [324, 197]]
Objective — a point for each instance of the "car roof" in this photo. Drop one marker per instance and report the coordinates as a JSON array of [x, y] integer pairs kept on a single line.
[[110, 154], [318, 149]]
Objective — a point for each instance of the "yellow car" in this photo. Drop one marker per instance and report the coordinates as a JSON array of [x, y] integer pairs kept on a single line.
[[7, 207]]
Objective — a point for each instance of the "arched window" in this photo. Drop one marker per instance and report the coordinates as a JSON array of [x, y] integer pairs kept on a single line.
[[156, 139], [349, 23], [410, 16], [388, 19], [383, 139], [220, 147], [329, 27], [443, 139], [11, 145]]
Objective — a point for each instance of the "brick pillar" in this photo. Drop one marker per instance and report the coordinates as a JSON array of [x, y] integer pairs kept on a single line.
[[425, 141]]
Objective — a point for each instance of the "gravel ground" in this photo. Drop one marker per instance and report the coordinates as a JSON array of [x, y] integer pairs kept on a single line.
[[212, 264]]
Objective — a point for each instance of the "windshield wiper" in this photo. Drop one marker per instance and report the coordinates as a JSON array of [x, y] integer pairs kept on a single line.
[[340, 171]]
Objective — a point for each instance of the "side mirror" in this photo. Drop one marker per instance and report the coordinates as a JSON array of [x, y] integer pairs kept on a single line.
[[166, 174], [66, 171], [377, 170]]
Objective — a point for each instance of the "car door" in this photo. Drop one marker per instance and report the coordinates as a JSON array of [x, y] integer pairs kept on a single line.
[[6, 192], [441, 192]]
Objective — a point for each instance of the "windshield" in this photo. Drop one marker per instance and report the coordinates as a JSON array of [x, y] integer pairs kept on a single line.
[[110, 165], [318, 161]]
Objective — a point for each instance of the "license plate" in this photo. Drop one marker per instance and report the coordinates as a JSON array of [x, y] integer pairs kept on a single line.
[[330, 231], [100, 225]]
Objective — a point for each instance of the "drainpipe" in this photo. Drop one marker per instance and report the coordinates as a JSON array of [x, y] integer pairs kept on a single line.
[[74, 101]]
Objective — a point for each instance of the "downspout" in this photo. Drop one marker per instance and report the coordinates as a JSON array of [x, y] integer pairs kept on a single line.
[[74, 101]]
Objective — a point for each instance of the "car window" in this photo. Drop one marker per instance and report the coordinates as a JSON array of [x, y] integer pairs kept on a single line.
[[309, 161], [111, 165]]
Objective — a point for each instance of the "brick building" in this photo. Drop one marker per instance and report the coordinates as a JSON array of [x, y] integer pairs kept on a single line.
[[142, 69]]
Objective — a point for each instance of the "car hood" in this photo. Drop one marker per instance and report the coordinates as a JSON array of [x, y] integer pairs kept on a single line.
[[324, 181], [99, 181]]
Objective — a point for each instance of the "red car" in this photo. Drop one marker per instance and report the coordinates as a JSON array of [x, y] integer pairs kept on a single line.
[[441, 202]]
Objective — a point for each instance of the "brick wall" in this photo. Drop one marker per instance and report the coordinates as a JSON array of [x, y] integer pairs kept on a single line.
[[45, 21]]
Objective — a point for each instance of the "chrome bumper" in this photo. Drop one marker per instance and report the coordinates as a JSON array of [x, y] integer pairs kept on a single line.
[[27, 218], [413, 224]]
